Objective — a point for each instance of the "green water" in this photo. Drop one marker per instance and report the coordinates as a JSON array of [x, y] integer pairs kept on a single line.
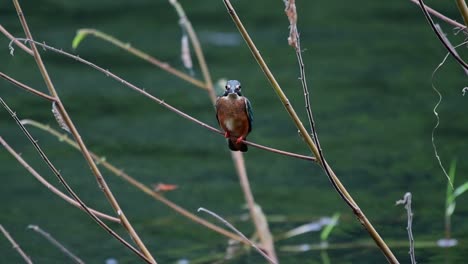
[[369, 69]]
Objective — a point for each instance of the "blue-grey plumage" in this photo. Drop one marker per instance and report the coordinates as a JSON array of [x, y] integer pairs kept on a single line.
[[235, 116]]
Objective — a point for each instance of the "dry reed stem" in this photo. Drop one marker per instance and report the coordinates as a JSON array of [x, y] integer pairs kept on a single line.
[[237, 158], [260, 222], [463, 10], [15, 245], [333, 178], [66, 118], [185, 22], [56, 243], [50, 186], [439, 36], [65, 184], [120, 173], [224, 221], [27, 88], [164, 104], [142, 55], [21, 45], [440, 15]]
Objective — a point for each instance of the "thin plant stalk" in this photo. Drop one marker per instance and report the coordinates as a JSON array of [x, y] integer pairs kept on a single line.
[[120, 173], [27, 88], [50, 186], [12, 38], [224, 221], [15, 245], [185, 22], [440, 15], [163, 103], [140, 54], [439, 36], [67, 187], [463, 10], [333, 178], [56, 243], [66, 118], [260, 223], [237, 158]]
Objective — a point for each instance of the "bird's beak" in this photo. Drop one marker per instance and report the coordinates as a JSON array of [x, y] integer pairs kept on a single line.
[[231, 90]]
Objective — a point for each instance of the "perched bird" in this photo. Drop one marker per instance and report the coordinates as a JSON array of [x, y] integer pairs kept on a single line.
[[234, 114]]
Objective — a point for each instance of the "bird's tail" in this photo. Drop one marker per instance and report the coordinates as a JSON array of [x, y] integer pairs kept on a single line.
[[237, 146]]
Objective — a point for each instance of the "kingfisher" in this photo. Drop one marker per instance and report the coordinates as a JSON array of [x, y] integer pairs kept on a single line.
[[235, 116]]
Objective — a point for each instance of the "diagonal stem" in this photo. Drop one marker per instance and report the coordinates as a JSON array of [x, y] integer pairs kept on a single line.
[[50, 186], [66, 118], [463, 10], [17, 42], [120, 173], [439, 35], [333, 178], [65, 184], [142, 55], [15, 245]]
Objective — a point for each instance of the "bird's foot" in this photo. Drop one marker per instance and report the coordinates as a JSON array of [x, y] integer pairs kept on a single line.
[[227, 135], [239, 140]]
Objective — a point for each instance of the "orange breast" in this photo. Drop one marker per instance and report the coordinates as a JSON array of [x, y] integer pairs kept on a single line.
[[232, 116]]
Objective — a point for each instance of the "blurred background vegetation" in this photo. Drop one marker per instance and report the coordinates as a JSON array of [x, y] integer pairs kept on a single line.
[[369, 67]]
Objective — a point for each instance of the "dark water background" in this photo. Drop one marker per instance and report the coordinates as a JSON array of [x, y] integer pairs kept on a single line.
[[369, 67]]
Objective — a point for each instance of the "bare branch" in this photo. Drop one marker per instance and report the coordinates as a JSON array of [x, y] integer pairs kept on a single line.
[[15, 245], [142, 55], [50, 186], [439, 35], [56, 243], [222, 220], [12, 38], [120, 173], [84, 150], [441, 16], [27, 88], [163, 103], [67, 187], [307, 138]]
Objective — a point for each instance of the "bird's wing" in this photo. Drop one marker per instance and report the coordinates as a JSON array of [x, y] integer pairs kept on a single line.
[[248, 108], [216, 108]]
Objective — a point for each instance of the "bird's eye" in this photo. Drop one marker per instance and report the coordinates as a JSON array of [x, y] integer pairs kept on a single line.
[[238, 87], [228, 87]]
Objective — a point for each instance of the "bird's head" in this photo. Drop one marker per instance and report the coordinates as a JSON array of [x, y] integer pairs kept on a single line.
[[233, 88]]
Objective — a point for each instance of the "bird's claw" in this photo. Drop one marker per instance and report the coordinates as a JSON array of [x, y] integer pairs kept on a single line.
[[239, 140]]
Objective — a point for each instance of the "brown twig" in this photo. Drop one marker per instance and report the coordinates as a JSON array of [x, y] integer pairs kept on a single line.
[[142, 55], [66, 118], [27, 88], [120, 173], [310, 143], [164, 104], [67, 187], [224, 221], [12, 38], [463, 10], [438, 34], [440, 15], [15, 245], [260, 223], [56, 243], [450, 44], [237, 158], [185, 23], [50, 186]]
